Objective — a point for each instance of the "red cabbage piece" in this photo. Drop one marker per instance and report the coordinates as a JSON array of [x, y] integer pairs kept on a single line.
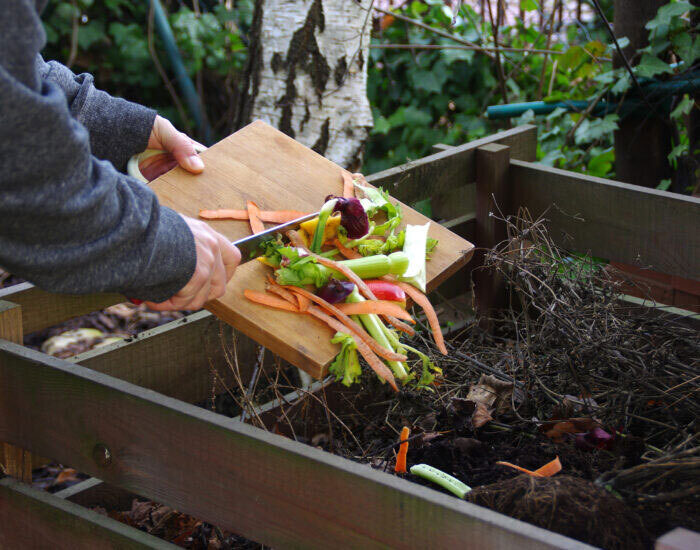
[[352, 216], [336, 291]]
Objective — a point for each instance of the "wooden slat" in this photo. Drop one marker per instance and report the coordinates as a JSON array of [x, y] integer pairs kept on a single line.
[[15, 461], [441, 172], [624, 223], [492, 198], [41, 309], [175, 359], [263, 486], [34, 519]]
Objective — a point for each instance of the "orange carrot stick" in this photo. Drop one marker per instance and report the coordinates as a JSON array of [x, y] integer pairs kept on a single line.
[[346, 252], [224, 214], [269, 216], [348, 185], [374, 362], [378, 307], [422, 300], [547, 470], [400, 467], [269, 300], [256, 223], [272, 286], [349, 324]]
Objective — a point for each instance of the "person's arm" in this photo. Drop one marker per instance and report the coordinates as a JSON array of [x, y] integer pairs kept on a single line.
[[117, 128], [70, 222]]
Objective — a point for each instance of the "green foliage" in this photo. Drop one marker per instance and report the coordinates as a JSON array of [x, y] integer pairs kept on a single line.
[[423, 97], [112, 44]]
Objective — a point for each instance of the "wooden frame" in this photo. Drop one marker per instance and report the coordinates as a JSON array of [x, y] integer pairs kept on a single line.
[[120, 413]]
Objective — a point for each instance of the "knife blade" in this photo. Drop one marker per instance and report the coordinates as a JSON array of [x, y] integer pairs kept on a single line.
[[250, 246]]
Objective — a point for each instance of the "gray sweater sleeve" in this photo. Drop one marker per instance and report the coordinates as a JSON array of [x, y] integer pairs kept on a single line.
[[70, 222], [118, 128]]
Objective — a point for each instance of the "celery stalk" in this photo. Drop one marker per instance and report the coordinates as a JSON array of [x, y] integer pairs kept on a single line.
[[371, 267], [414, 248], [323, 215], [376, 330]]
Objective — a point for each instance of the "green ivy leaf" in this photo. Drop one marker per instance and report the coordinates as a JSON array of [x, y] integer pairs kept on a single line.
[[601, 165], [664, 185], [683, 108], [650, 66], [381, 126], [668, 12], [592, 130], [430, 81], [528, 5], [686, 48]]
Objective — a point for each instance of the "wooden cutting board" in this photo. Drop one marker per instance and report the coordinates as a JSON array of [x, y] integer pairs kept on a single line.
[[262, 164]]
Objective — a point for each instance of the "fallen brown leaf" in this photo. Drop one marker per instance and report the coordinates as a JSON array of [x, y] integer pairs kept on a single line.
[[481, 416], [556, 430], [492, 392]]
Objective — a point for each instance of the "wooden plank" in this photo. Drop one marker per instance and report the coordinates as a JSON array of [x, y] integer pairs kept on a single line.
[[263, 486], [492, 199], [30, 518], [621, 222], [177, 359], [15, 461], [41, 309], [440, 172], [679, 539], [260, 163], [94, 492]]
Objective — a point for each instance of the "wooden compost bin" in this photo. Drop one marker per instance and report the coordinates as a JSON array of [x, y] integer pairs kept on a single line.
[[124, 413]]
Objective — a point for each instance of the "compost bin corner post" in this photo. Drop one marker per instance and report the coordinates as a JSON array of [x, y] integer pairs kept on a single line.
[[492, 202], [16, 462]]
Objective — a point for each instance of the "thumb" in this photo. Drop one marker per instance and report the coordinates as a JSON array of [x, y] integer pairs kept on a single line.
[[182, 148]]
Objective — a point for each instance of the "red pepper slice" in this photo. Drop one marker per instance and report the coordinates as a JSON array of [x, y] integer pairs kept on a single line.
[[384, 290]]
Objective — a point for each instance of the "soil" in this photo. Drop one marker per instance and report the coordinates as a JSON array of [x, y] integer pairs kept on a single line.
[[567, 505]]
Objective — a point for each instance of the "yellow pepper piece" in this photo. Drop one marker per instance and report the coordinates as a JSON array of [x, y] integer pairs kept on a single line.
[[331, 231]]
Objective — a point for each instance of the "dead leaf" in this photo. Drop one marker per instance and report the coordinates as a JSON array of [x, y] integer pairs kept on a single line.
[[478, 413], [481, 416], [492, 392], [67, 475], [556, 430], [572, 406]]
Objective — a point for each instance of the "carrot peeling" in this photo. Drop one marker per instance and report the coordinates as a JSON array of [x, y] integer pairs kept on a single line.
[[349, 324], [547, 470], [373, 361], [269, 300], [346, 252], [256, 223], [269, 216], [422, 300], [348, 185], [378, 307], [400, 467]]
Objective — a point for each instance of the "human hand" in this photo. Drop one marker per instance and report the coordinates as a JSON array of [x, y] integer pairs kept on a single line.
[[217, 260], [166, 137]]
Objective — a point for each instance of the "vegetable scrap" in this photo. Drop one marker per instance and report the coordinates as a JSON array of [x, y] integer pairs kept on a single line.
[[362, 297], [446, 481], [269, 216], [400, 467], [548, 470]]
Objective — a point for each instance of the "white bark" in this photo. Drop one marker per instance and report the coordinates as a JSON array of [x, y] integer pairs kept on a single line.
[[327, 57]]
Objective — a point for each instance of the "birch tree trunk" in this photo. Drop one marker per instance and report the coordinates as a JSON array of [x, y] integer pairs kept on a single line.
[[307, 74]]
